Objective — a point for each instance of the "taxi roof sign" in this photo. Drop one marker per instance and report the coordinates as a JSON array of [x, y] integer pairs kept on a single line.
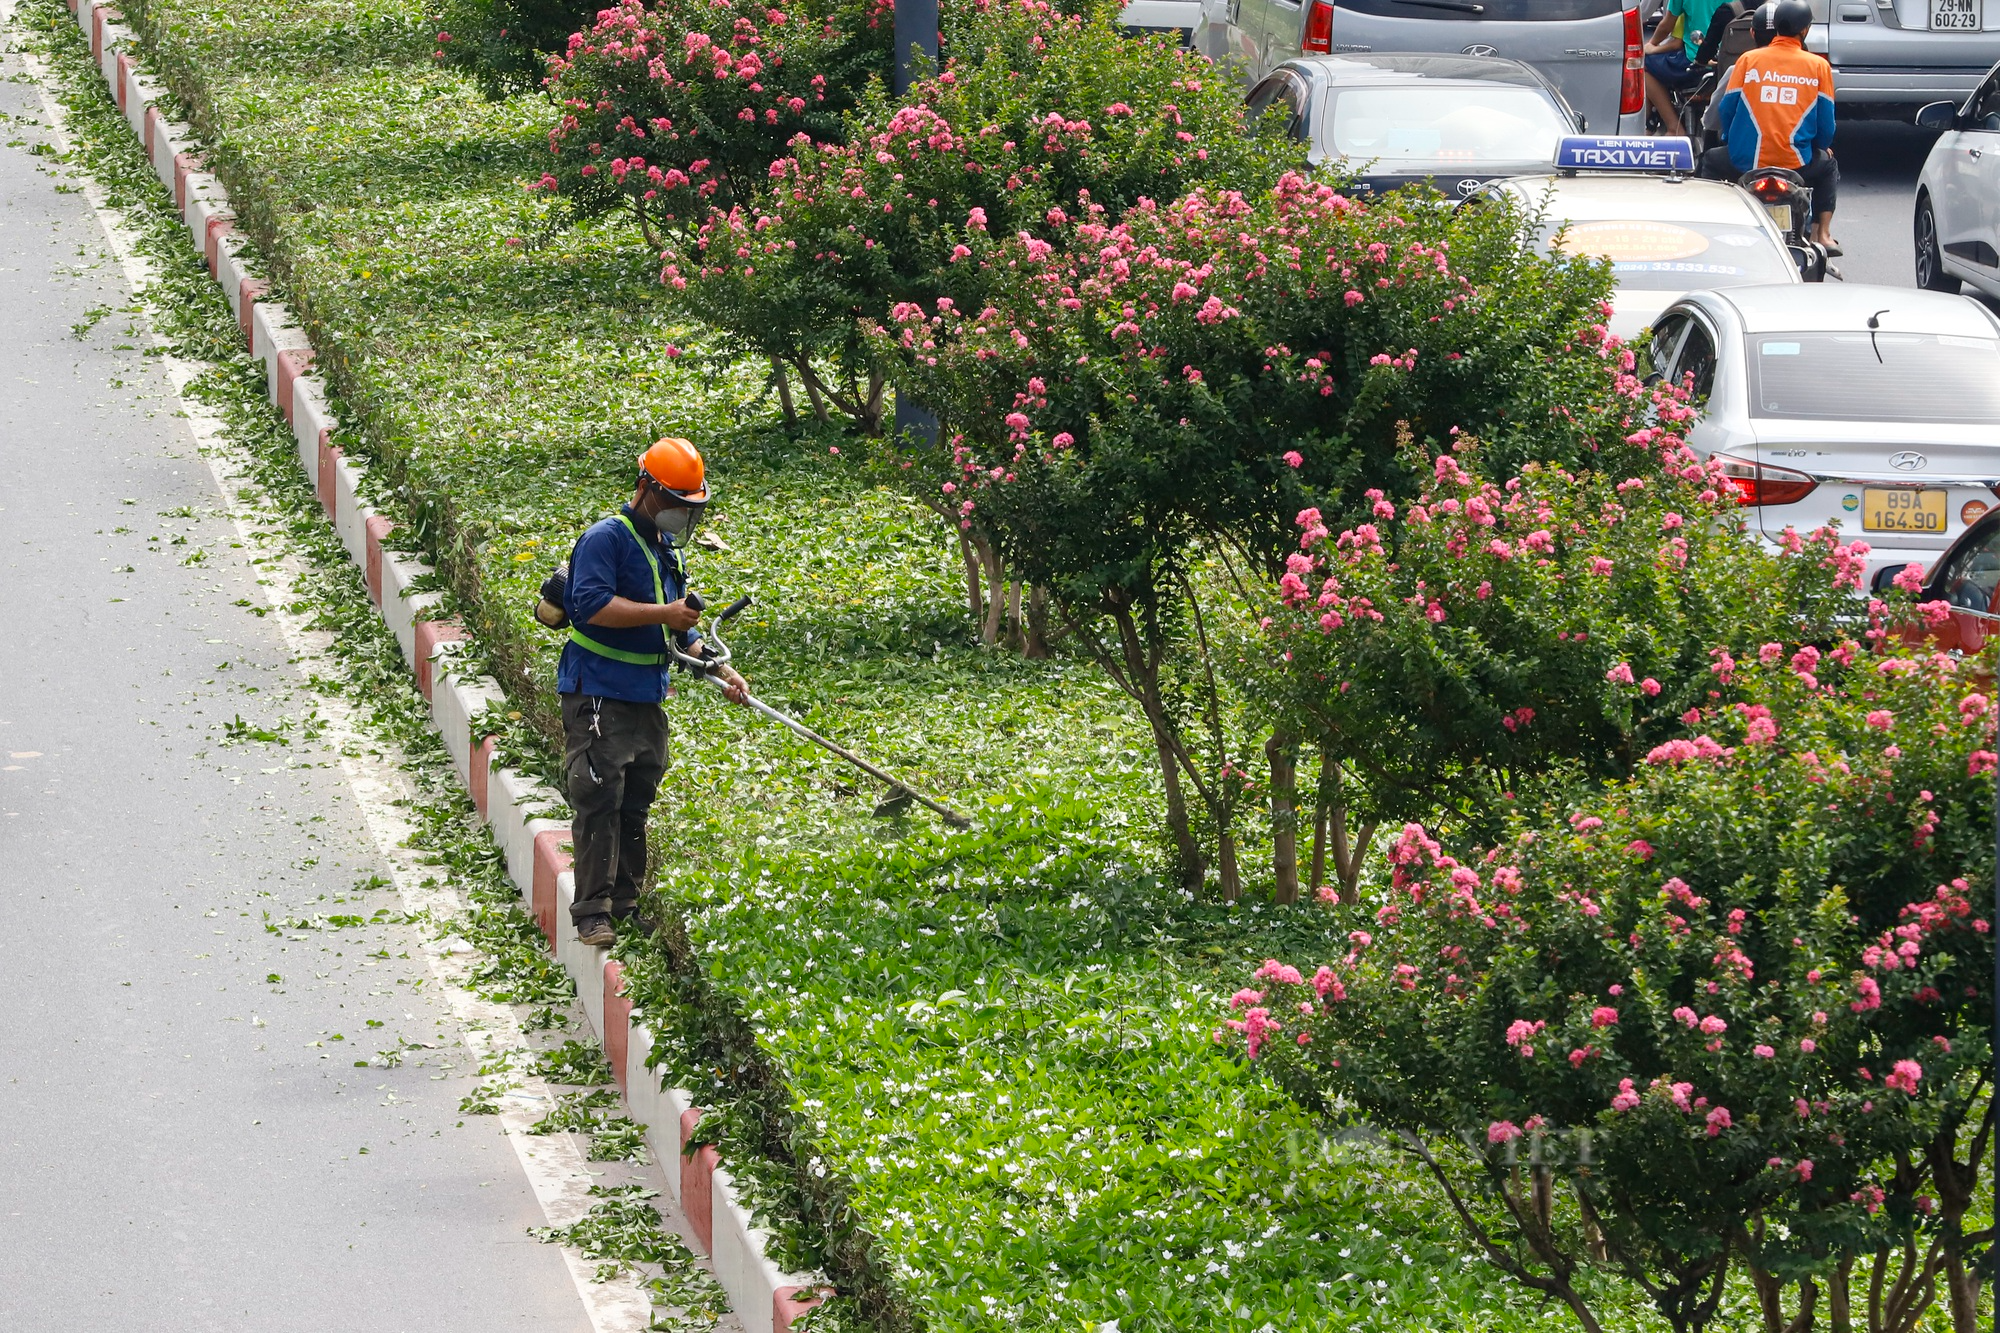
[[1623, 152]]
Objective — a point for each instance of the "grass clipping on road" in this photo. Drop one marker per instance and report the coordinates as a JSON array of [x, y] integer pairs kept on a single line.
[[969, 1074]]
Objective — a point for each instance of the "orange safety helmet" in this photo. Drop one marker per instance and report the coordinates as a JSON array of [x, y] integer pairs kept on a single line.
[[674, 466]]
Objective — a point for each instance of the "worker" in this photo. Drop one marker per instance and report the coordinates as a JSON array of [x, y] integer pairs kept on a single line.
[[627, 592], [1777, 111]]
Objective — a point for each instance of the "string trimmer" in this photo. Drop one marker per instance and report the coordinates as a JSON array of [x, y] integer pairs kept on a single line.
[[900, 794]]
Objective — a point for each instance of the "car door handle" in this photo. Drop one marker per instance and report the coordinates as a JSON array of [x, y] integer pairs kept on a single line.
[[1975, 152]]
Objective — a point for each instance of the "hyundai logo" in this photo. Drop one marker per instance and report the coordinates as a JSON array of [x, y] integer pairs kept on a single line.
[[1479, 49], [1908, 461], [1465, 190]]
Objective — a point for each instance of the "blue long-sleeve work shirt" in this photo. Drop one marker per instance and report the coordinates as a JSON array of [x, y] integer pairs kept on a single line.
[[609, 563]]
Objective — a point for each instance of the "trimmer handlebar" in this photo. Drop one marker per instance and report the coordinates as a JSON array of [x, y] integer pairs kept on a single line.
[[718, 651]]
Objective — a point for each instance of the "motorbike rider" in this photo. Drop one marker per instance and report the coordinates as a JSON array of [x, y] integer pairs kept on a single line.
[[1776, 110], [1762, 30], [1670, 55]]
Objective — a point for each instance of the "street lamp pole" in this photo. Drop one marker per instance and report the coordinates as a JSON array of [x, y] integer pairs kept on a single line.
[[916, 55], [916, 41]]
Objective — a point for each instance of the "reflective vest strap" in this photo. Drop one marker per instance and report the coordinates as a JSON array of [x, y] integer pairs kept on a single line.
[[588, 644], [659, 592], [584, 641]]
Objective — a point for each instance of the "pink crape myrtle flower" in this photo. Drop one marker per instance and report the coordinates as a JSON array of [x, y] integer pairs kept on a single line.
[[1904, 1076]]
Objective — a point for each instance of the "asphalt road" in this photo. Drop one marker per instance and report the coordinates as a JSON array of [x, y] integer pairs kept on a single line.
[[185, 1141], [1879, 162]]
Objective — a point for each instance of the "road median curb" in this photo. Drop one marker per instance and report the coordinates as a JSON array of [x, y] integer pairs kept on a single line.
[[535, 849]]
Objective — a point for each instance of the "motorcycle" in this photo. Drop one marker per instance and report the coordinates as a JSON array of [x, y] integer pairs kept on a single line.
[[1786, 199]]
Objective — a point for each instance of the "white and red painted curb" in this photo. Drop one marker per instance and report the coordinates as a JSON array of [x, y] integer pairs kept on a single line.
[[765, 1299]]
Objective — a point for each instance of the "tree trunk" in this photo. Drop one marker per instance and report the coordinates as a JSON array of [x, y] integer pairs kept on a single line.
[[996, 593], [871, 408], [1321, 802], [1348, 855], [812, 390], [1839, 1298], [1016, 638], [1037, 622], [1225, 861], [1962, 1288], [783, 383], [975, 603], [1282, 751], [1802, 1322], [1192, 868]]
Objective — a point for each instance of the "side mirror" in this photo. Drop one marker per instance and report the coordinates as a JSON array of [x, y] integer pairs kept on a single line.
[[1582, 123], [1937, 116]]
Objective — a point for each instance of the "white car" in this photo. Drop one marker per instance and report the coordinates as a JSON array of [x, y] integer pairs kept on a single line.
[[1876, 409], [1664, 235], [1175, 18], [1958, 193]]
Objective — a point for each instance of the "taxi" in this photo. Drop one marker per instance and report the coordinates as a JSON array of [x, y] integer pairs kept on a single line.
[[1665, 233]]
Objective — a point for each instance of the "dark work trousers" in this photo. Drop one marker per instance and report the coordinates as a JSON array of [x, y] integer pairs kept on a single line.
[[614, 754]]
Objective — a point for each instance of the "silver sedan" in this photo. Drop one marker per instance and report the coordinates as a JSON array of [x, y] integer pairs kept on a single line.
[[1876, 409]]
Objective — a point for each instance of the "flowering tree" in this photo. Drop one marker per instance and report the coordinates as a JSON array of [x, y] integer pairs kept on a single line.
[[1482, 636], [1036, 114], [1175, 384], [677, 107], [1731, 1010]]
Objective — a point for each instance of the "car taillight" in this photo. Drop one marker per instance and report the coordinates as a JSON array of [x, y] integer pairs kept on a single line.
[[1319, 28], [1761, 484], [1632, 93]]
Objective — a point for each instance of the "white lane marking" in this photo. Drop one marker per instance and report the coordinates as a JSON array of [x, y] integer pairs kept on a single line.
[[555, 1169]]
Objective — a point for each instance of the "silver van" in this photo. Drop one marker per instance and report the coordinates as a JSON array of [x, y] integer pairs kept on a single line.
[[1590, 49], [1894, 55]]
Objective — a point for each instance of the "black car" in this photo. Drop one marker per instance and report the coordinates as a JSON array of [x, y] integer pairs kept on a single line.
[[1454, 122]]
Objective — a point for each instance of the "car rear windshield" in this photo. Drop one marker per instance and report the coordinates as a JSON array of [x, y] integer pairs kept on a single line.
[[1511, 11], [1675, 256], [1452, 125], [1874, 377]]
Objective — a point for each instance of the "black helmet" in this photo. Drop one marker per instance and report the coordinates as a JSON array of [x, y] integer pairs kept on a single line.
[[1764, 22], [1792, 18]]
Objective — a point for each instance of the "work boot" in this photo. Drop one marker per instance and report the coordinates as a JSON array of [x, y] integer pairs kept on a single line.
[[631, 918], [596, 931]]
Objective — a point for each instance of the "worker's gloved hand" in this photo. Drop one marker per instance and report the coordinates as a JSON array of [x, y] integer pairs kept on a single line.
[[679, 615]]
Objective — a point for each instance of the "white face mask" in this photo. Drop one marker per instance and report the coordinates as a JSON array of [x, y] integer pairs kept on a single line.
[[675, 521]]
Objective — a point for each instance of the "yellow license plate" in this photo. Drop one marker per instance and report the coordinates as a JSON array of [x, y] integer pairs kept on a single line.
[[1781, 214], [1895, 509]]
